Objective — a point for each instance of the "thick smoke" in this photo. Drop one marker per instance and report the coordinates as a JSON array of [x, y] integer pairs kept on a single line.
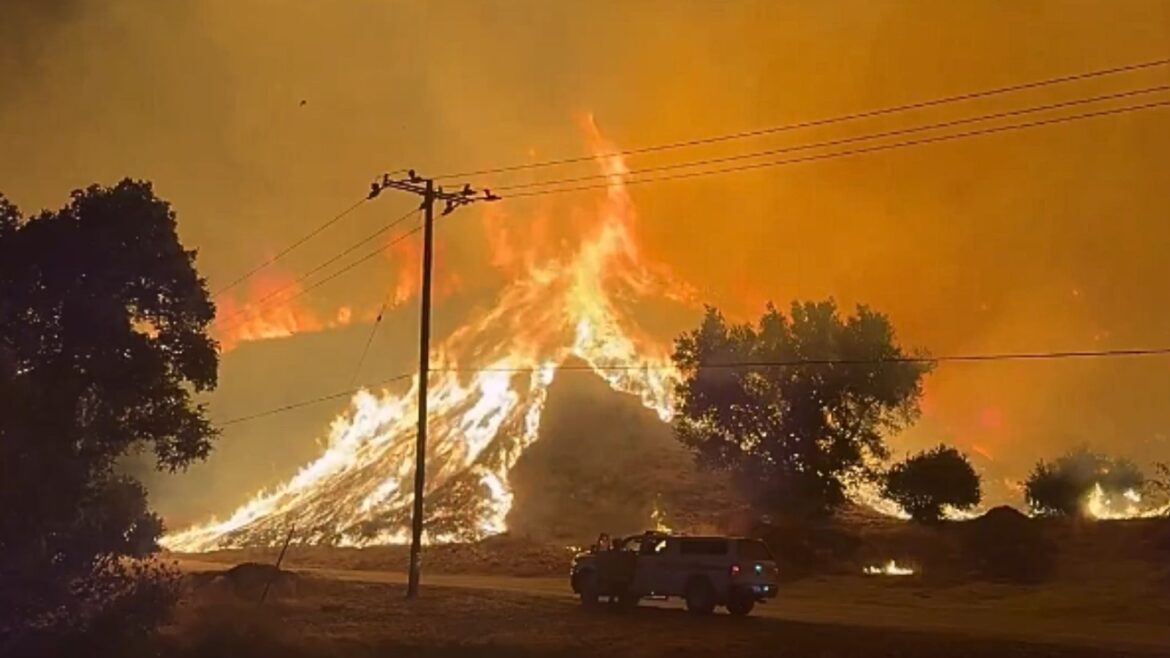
[[258, 120]]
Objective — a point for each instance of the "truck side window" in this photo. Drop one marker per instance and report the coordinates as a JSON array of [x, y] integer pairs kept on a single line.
[[703, 547]]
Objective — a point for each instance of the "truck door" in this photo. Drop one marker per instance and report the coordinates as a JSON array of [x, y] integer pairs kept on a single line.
[[652, 576]]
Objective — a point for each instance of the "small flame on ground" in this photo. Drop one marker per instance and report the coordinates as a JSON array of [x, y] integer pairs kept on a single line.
[[890, 568]]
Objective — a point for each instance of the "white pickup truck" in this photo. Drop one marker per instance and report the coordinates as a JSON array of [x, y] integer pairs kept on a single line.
[[705, 571]]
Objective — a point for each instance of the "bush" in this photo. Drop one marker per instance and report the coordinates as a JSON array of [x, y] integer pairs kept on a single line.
[[1060, 488], [926, 482], [113, 611]]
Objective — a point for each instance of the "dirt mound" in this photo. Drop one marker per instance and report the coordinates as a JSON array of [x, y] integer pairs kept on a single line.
[[1002, 517], [248, 581], [1005, 545], [499, 555], [803, 547], [605, 463]]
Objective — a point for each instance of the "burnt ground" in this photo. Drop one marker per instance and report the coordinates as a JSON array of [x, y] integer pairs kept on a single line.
[[331, 617]]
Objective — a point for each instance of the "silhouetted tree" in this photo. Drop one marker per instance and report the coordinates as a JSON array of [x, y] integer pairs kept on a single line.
[[803, 406], [923, 483], [1158, 486], [1062, 486], [103, 342], [9, 217]]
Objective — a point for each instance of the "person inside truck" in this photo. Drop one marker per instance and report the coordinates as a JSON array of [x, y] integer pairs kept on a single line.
[[603, 543]]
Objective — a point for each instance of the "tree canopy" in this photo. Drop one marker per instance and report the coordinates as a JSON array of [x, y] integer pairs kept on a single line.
[[925, 482], [796, 404], [103, 343]]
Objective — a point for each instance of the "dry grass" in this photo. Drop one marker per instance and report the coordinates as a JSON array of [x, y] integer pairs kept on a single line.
[[502, 555], [1110, 576], [330, 618]]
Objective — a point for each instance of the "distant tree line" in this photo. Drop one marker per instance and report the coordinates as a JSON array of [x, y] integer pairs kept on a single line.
[[797, 406]]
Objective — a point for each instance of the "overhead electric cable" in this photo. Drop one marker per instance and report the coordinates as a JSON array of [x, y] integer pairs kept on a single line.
[[306, 403], [272, 298], [841, 154], [841, 141], [370, 338], [631, 178], [284, 252], [1057, 355], [700, 141]]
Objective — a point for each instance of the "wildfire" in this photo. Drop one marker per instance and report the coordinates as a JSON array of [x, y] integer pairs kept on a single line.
[[890, 568], [487, 396], [659, 518], [1127, 505], [270, 309]]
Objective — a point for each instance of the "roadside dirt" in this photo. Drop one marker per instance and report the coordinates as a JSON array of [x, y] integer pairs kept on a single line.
[[824, 612], [331, 617]]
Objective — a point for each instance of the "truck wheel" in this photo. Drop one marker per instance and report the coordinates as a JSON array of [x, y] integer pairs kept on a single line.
[[700, 597], [590, 589], [741, 606]]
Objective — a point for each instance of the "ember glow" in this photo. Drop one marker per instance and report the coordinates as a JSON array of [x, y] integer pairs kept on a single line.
[[486, 399]]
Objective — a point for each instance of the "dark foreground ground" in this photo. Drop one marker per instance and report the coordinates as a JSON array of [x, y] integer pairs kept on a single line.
[[354, 614]]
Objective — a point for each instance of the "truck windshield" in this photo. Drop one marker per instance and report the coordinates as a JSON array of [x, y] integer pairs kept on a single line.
[[753, 549]]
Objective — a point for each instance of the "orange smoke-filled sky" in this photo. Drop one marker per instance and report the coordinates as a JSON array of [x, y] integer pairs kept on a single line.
[[1053, 238]]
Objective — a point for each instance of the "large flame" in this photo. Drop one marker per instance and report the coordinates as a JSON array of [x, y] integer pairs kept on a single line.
[[486, 398], [1127, 505], [270, 307]]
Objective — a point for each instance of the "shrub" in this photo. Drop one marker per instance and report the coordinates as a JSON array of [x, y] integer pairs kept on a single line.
[[926, 482], [1061, 487]]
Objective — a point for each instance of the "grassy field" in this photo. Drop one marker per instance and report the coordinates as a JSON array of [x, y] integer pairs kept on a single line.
[[1107, 593], [329, 617]]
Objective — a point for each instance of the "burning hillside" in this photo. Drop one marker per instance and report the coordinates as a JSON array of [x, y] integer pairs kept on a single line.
[[487, 397], [566, 308]]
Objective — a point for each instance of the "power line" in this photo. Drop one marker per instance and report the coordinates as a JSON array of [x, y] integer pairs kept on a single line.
[[1059, 355], [720, 138], [306, 403], [847, 153], [821, 122], [370, 339], [269, 299], [845, 140], [262, 303], [284, 252]]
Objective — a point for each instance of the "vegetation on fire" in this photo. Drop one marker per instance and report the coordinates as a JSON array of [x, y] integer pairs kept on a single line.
[[1061, 487], [103, 343]]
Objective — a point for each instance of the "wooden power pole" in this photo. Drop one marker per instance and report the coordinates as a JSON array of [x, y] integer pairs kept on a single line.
[[425, 188]]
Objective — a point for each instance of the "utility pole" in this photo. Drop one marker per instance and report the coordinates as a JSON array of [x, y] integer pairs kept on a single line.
[[424, 187]]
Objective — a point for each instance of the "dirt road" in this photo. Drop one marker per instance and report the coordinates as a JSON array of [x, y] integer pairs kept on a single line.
[[816, 606]]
